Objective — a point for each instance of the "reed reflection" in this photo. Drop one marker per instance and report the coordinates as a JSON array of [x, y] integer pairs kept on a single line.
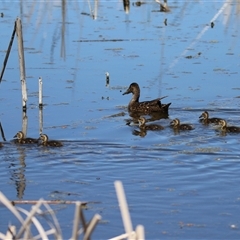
[[18, 173]]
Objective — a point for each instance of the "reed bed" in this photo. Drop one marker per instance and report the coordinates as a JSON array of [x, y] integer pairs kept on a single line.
[[29, 220]]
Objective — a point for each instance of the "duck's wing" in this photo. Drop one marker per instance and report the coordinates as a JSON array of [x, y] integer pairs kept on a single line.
[[154, 102], [186, 127], [215, 120]]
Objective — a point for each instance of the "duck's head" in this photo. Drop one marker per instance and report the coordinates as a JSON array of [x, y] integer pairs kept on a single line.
[[43, 137], [223, 123], [133, 88], [175, 122], [204, 115], [19, 135]]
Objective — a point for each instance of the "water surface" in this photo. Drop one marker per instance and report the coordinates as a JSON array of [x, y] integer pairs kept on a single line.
[[183, 186]]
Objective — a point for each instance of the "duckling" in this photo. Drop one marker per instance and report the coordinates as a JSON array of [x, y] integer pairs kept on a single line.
[[204, 118], [21, 139], [224, 127], [176, 125], [49, 143], [144, 127], [146, 107]]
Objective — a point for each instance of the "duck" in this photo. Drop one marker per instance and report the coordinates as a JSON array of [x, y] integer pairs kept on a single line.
[[145, 107], [204, 118], [49, 143], [144, 127], [21, 139], [176, 125], [225, 128]]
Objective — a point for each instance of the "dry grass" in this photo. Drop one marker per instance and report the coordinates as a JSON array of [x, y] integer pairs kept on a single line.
[[81, 228]]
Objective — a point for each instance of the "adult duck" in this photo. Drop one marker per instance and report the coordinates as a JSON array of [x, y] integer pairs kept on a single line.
[[145, 107]]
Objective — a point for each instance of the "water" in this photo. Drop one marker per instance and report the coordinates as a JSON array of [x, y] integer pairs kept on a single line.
[[181, 186]]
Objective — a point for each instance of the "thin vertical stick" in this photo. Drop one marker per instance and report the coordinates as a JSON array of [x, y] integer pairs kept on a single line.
[[63, 33], [40, 92], [2, 132], [123, 208], [8, 52], [76, 221], [24, 123], [140, 232], [126, 5], [95, 9], [40, 121], [10, 233], [21, 63], [91, 226], [107, 78], [40, 105]]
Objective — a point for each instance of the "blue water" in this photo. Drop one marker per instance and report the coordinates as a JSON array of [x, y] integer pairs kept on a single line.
[[181, 186]]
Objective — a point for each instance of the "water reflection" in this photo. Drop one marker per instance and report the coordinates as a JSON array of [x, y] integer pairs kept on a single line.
[[141, 133], [17, 172], [63, 48]]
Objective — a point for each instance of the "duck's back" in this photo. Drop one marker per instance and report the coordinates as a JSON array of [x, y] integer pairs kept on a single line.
[[149, 106], [185, 127], [214, 120], [233, 129], [53, 143]]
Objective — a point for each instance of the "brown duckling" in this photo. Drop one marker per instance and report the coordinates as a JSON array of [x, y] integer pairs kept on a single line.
[[144, 127], [21, 139], [176, 125], [225, 128], [204, 118], [146, 107], [49, 143]]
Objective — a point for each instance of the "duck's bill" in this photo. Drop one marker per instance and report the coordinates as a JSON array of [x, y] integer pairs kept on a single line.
[[127, 92]]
